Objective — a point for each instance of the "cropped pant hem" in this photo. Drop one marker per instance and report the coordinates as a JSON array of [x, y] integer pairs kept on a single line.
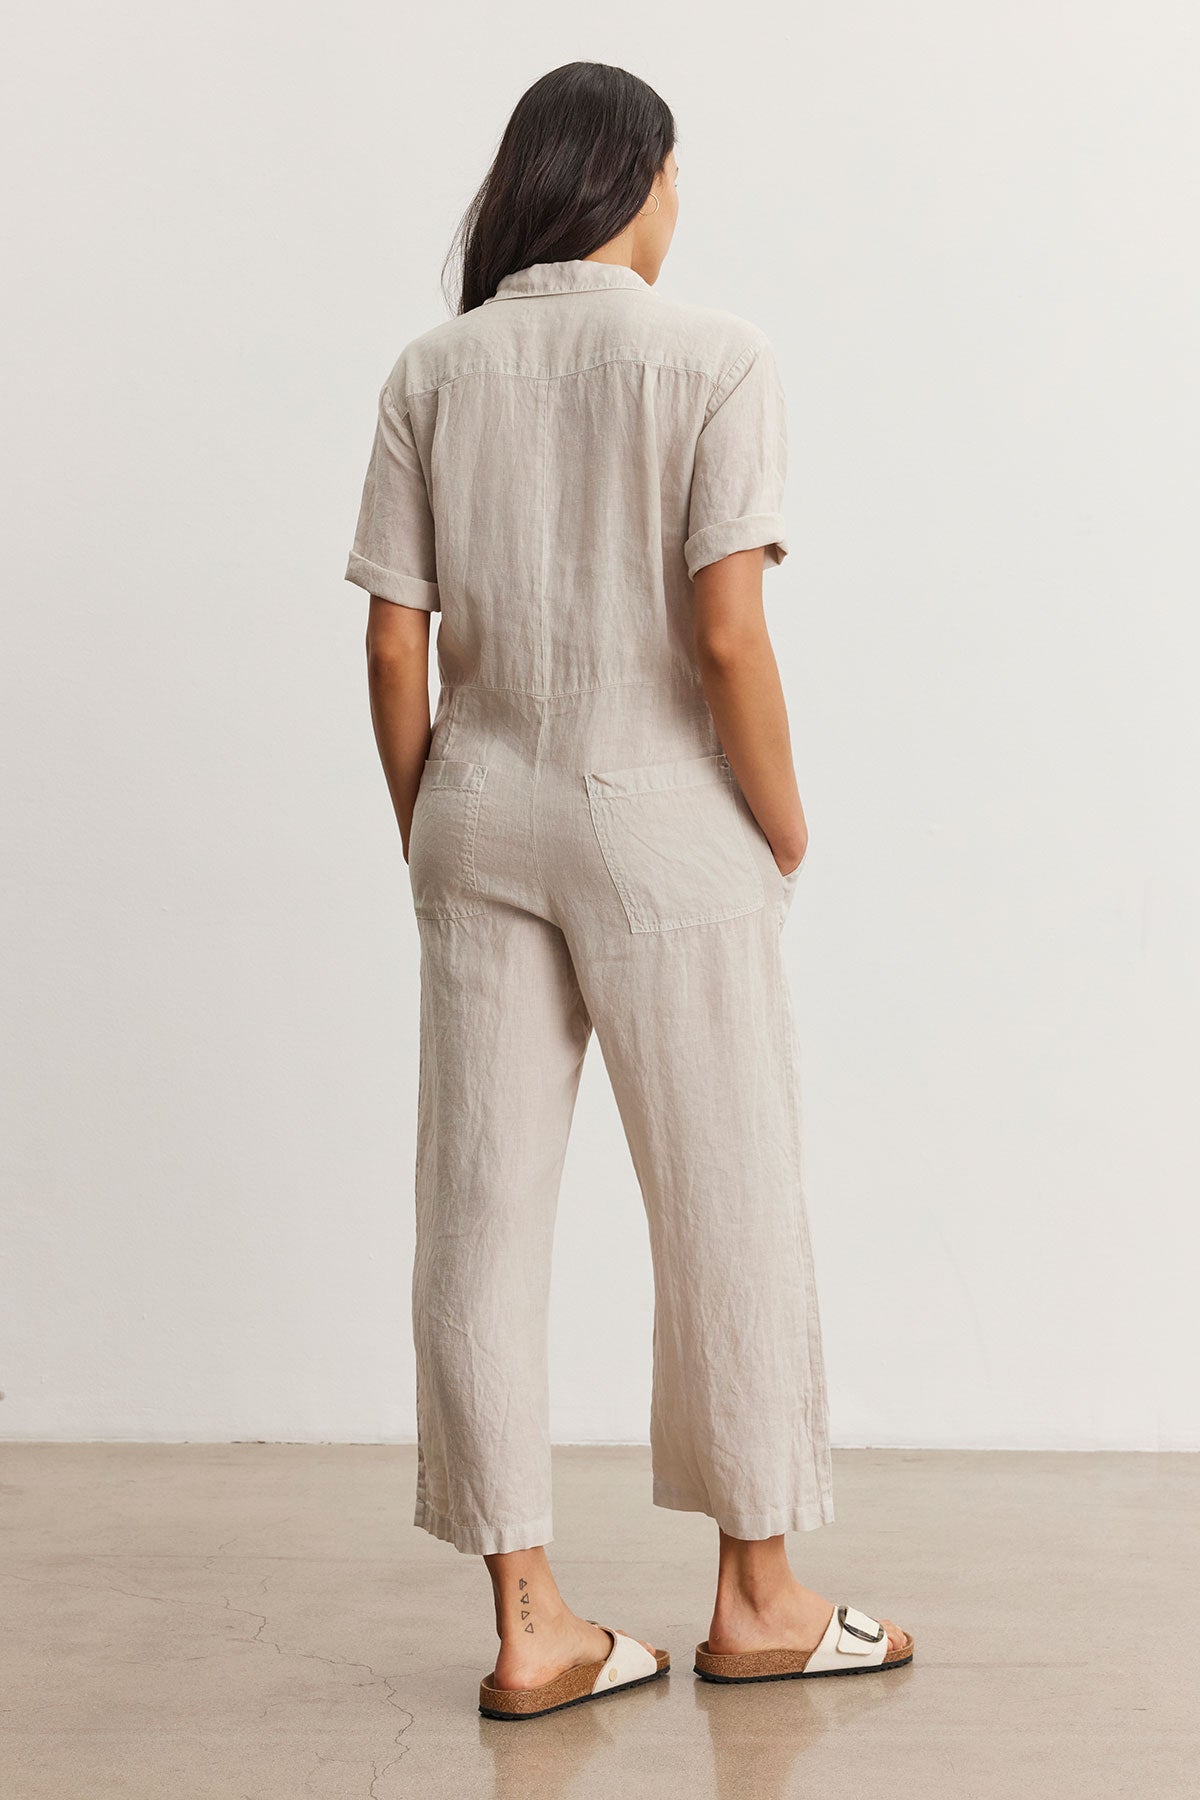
[[750, 1525], [482, 1540]]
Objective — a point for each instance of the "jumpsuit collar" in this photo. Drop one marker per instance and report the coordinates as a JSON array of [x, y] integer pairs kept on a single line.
[[572, 276]]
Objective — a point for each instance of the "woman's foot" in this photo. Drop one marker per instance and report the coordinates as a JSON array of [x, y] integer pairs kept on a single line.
[[761, 1606], [562, 1644], [540, 1637]]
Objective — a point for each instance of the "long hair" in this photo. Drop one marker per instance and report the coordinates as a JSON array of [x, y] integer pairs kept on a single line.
[[576, 162]]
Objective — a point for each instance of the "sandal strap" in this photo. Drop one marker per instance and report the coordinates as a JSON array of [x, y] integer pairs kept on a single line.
[[852, 1639], [626, 1661]]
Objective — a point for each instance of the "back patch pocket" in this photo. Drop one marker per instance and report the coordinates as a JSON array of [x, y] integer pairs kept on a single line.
[[441, 843], [675, 841]]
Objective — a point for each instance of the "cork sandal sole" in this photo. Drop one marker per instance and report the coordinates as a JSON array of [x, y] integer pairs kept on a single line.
[[843, 1650], [572, 1688]]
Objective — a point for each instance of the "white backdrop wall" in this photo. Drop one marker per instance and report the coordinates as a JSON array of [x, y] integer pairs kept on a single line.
[[969, 231]]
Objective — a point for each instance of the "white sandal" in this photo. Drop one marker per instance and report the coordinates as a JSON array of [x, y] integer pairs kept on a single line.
[[853, 1644], [628, 1664]]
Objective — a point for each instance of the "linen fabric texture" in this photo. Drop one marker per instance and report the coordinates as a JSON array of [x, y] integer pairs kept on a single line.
[[549, 472]]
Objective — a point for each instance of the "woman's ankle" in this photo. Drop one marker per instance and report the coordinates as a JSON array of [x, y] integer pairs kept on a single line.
[[526, 1595], [751, 1573], [541, 1618], [736, 1603]]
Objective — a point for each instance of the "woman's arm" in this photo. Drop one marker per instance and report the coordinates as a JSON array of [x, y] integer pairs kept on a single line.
[[398, 683], [741, 682]]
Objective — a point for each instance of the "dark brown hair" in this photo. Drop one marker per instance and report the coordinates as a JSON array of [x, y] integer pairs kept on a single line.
[[576, 162]]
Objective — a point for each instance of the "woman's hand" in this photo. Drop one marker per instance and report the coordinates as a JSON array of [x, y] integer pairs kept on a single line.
[[790, 848], [789, 860]]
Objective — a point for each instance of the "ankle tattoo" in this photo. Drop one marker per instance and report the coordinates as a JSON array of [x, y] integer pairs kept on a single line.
[[526, 1599]]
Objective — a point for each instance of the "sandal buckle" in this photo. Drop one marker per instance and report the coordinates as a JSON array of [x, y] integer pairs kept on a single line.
[[866, 1636]]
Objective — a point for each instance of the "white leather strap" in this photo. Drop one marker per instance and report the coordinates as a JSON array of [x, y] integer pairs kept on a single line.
[[627, 1661], [852, 1640]]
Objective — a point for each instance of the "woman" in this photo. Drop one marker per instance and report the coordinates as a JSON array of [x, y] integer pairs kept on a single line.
[[603, 829]]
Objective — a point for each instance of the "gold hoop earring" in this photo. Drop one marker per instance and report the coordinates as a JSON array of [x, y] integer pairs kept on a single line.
[[643, 215]]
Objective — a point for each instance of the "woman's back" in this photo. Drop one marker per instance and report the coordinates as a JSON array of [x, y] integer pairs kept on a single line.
[[551, 468]]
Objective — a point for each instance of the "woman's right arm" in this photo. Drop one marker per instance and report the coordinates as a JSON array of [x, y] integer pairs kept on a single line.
[[398, 685], [745, 697]]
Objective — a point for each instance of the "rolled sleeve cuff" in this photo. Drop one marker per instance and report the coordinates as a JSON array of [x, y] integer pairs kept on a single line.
[[712, 542], [402, 590]]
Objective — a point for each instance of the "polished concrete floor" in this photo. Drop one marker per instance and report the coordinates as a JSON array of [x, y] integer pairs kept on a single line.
[[262, 1622]]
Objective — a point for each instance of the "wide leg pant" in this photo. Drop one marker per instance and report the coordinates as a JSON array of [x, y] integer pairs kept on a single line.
[[587, 863]]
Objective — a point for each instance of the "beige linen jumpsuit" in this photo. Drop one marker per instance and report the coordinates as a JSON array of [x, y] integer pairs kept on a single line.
[[549, 471]]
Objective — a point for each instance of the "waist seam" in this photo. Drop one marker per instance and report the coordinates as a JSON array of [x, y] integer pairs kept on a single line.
[[601, 687]]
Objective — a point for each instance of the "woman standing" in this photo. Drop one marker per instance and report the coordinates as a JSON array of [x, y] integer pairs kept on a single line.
[[603, 830]]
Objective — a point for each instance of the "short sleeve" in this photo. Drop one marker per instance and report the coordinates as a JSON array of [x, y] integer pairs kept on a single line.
[[394, 554], [740, 465]]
